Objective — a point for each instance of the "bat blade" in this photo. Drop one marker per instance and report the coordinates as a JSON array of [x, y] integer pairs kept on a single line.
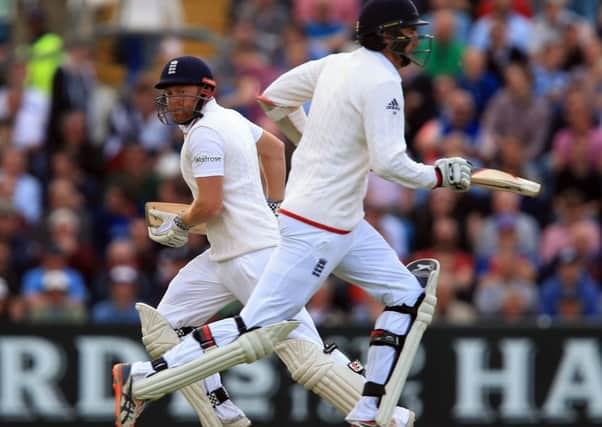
[[503, 181], [153, 221]]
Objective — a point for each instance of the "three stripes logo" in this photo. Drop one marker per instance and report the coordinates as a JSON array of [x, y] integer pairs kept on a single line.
[[393, 106], [319, 267], [172, 67]]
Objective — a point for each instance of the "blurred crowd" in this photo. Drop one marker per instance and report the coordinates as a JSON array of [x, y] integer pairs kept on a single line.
[[510, 84]]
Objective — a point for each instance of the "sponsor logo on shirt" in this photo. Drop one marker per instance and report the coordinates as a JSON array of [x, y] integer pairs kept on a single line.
[[393, 106], [205, 158]]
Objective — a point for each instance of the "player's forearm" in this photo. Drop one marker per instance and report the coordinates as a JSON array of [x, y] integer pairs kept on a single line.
[[200, 212], [401, 169], [271, 156], [274, 174]]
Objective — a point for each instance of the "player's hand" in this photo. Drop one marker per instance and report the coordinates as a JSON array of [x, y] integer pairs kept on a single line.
[[170, 232], [274, 205], [455, 173]]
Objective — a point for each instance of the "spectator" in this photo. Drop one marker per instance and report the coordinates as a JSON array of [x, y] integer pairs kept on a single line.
[[270, 19], [119, 309], [64, 231], [117, 212], [507, 289], [65, 167], [141, 32], [571, 211], [592, 260], [25, 109], [54, 303], [519, 27], [552, 23], [449, 308], [46, 52], [345, 11], [502, 51], [17, 244], [134, 119], [576, 157], [119, 253], [570, 294], [440, 204], [27, 191], [446, 55], [73, 86], [549, 78], [462, 19], [136, 176], [514, 111], [324, 29], [507, 215], [73, 139], [477, 80], [53, 259], [458, 117]]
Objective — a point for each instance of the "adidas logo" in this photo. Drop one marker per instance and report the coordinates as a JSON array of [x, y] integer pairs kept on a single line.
[[172, 67], [393, 105]]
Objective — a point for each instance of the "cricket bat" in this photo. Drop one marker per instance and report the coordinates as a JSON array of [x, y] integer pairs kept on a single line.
[[502, 181], [153, 221]]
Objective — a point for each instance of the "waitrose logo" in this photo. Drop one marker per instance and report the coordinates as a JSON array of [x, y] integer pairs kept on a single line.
[[206, 158]]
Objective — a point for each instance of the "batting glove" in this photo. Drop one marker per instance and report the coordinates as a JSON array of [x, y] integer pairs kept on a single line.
[[172, 232], [454, 173]]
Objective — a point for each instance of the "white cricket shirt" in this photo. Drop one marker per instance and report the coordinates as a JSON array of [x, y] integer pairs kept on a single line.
[[355, 124], [222, 143]]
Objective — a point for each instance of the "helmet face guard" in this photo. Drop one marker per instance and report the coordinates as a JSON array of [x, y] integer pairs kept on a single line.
[[394, 30], [165, 113]]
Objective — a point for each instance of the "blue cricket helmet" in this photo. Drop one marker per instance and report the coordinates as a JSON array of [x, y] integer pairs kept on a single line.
[[185, 70]]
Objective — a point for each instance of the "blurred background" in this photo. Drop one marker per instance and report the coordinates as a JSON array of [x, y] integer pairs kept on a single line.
[[511, 84]]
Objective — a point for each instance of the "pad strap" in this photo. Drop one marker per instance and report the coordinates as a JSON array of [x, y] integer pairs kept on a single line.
[[204, 337], [159, 364], [407, 309], [384, 337], [240, 324], [373, 389], [218, 396]]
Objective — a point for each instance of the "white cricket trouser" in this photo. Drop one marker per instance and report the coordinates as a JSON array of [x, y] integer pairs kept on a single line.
[[203, 287], [306, 256]]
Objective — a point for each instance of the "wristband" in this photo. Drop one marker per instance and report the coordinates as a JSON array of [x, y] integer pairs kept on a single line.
[[274, 205], [180, 224]]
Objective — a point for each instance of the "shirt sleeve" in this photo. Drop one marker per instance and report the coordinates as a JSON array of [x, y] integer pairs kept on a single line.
[[295, 87], [207, 152], [384, 123], [256, 131]]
